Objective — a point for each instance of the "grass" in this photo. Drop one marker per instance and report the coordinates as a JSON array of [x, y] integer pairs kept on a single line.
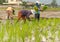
[[53, 9], [44, 30], [18, 8], [48, 9]]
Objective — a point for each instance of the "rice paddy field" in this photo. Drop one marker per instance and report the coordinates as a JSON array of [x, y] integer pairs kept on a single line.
[[46, 30]]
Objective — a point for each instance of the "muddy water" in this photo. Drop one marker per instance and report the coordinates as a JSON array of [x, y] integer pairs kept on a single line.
[[48, 14], [51, 14]]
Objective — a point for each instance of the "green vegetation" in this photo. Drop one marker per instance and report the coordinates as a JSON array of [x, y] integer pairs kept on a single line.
[[32, 31], [45, 8], [53, 9], [54, 3], [2, 1]]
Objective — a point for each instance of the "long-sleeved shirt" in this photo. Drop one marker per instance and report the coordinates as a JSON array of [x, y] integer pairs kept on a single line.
[[26, 12]]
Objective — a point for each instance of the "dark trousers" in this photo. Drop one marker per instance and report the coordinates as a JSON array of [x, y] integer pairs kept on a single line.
[[37, 17]]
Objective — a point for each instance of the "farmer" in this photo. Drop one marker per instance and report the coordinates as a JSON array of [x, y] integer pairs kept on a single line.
[[37, 10], [10, 12], [24, 14]]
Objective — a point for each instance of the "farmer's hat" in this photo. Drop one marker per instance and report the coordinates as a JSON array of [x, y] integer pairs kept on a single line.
[[37, 2]]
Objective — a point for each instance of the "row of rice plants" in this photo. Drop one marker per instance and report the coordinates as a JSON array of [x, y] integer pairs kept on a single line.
[[46, 30]]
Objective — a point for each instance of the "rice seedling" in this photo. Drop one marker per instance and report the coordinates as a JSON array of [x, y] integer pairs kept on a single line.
[[31, 31]]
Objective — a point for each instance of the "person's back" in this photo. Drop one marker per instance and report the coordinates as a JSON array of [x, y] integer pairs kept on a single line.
[[9, 8], [25, 12]]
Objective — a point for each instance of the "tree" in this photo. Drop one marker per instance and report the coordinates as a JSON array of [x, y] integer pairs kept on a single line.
[[54, 3], [2, 1], [24, 4]]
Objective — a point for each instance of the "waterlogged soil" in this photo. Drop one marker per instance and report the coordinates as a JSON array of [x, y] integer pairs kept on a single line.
[[50, 14], [47, 14]]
